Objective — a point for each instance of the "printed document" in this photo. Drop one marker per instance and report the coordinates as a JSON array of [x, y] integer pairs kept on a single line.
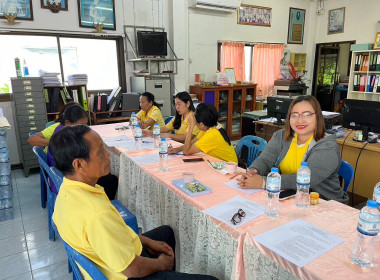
[[234, 184]]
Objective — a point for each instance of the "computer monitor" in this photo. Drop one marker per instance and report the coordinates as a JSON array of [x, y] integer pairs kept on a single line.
[[151, 43], [278, 107], [362, 115]]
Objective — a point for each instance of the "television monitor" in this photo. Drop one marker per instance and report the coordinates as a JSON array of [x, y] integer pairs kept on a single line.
[[152, 43], [362, 115], [278, 107]]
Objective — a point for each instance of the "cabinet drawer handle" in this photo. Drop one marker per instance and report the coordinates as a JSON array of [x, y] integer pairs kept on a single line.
[[27, 87], [31, 111], [27, 82], [29, 100], [33, 128], [30, 105], [28, 94], [32, 123], [31, 117]]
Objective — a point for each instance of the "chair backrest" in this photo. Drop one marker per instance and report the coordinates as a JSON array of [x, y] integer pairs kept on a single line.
[[50, 123], [168, 119], [347, 172], [255, 145], [57, 177], [32, 133], [42, 159], [77, 258]]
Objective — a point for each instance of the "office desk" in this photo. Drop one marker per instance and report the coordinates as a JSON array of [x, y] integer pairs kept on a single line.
[[265, 130], [368, 170]]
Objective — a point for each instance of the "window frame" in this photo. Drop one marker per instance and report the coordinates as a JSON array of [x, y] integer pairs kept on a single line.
[[119, 51]]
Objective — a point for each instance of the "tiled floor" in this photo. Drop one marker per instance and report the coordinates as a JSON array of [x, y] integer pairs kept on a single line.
[[25, 249]]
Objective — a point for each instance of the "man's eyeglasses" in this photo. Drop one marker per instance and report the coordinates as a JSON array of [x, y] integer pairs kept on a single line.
[[304, 116], [236, 218]]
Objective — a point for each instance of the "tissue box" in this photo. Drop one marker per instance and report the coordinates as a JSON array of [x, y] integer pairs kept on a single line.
[[361, 47]]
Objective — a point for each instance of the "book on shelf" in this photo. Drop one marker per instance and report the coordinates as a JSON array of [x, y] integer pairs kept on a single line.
[[54, 99], [84, 98], [75, 95], [63, 96]]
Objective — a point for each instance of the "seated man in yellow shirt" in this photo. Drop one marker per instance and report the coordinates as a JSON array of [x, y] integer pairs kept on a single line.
[[90, 224], [149, 113]]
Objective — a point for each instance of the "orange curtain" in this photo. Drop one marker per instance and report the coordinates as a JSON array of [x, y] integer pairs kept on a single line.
[[266, 67], [233, 57]]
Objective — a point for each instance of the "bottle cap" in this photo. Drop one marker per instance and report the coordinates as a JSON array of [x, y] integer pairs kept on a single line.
[[156, 124], [137, 126], [304, 163], [372, 203], [274, 169], [314, 195], [163, 139]]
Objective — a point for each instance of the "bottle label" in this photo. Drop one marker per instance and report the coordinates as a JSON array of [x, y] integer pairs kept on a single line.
[[368, 228], [273, 184], [303, 180], [163, 149]]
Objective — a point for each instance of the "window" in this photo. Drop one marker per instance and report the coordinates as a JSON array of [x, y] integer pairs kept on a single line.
[[100, 59]]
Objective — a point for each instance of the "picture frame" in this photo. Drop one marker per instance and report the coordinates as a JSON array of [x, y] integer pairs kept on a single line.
[[376, 45], [230, 72], [23, 8], [285, 59], [64, 4], [296, 25], [96, 12], [336, 21], [254, 15]]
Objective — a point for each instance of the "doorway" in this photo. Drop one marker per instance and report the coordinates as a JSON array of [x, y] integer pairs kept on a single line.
[[331, 74]]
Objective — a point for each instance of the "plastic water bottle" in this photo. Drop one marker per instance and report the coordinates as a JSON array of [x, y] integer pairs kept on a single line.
[[376, 193], [18, 67], [134, 121], [163, 153], [5, 166], [26, 69], [363, 251], [6, 191], [138, 138], [3, 138], [156, 135], [273, 186], [303, 186]]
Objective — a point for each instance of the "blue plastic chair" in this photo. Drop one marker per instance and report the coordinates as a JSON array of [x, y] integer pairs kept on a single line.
[[168, 119], [50, 123], [51, 196], [77, 258], [347, 173], [255, 146], [127, 215], [42, 180]]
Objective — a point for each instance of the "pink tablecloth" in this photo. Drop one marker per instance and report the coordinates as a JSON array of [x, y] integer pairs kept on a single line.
[[136, 190]]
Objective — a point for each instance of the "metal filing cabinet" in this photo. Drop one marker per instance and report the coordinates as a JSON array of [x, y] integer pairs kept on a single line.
[[30, 116]]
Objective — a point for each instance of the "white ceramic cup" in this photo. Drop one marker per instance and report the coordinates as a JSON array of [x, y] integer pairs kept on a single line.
[[231, 166], [188, 177]]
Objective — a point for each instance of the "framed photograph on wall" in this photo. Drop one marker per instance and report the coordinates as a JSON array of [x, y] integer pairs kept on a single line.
[[336, 21], [285, 59], [230, 75], [23, 8], [296, 25], [97, 12], [254, 15], [44, 4], [377, 41]]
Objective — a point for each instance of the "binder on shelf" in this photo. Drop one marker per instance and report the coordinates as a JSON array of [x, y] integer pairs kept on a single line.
[[362, 82], [372, 83], [378, 63], [54, 99], [357, 63], [100, 105], [63, 95], [75, 95], [375, 84], [356, 83], [84, 98], [378, 86], [373, 60], [368, 84], [47, 99], [68, 96]]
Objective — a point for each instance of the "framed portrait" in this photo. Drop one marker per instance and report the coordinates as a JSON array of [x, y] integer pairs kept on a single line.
[[285, 59], [44, 4], [336, 21], [377, 41], [254, 15], [97, 12], [296, 25], [23, 8]]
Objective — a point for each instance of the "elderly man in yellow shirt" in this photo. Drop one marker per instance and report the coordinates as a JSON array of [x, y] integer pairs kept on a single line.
[[89, 223]]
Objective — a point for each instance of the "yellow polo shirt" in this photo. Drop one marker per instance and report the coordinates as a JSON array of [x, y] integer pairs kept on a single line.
[[48, 133], [89, 223], [183, 128], [212, 143], [292, 160], [154, 113]]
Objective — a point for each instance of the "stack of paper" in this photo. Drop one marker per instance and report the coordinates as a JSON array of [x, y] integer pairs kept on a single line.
[[50, 78], [77, 79]]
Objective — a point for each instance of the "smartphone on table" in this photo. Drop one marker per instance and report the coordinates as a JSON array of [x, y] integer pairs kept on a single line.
[[192, 159], [287, 194]]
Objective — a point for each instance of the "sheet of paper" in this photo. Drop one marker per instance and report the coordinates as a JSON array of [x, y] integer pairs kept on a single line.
[[234, 184], [225, 211], [327, 113], [127, 143], [299, 241], [271, 120], [146, 159]]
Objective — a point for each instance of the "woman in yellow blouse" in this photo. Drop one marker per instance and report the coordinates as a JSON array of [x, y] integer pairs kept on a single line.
[[149, 113], [211, 140], [184, 107]]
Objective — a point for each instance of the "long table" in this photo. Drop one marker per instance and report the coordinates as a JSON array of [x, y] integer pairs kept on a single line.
[[206, 245]]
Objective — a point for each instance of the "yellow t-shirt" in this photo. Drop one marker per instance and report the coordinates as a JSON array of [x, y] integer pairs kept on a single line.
[[89, 223], [292, 160], [183, 128], [212, 143], [48, 133], [154, 113]]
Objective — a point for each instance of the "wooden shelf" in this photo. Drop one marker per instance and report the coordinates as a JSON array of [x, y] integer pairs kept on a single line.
[[97, 120]]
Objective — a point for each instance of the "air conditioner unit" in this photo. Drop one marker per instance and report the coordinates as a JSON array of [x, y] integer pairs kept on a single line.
[[216, 5]]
